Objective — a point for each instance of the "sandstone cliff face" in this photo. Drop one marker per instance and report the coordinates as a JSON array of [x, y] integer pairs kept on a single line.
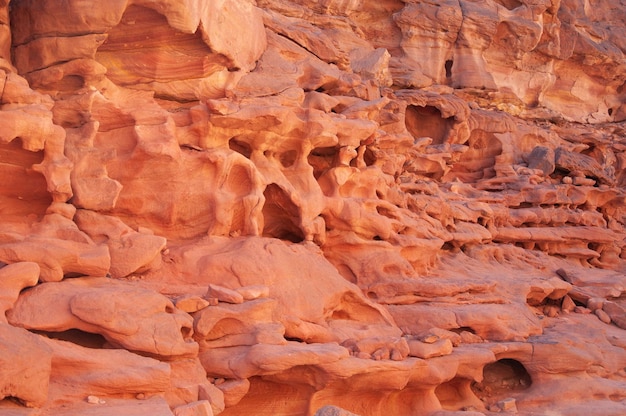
[[301, 207]]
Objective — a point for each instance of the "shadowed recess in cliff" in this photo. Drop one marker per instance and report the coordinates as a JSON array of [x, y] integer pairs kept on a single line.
[[240, 147], [280, 215], [322, 159], [76, 336], [502, 379], [427, 121], [457, 394], [22, 191]]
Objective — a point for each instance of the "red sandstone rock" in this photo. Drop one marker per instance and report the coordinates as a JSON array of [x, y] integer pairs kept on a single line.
[[254, 292], [190, 303], [232, 325], [199, 408], [234, 390], [213, 395], [350, 186], [187, 379], [332, 411], [224, 294], [127, 316], [13, 279], [81, 368], [262, 359], [616, 312], [153, 406], [424, 350], [130, 251], [26, 366]]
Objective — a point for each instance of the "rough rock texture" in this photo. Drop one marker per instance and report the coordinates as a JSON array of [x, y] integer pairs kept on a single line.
[[312, 208]]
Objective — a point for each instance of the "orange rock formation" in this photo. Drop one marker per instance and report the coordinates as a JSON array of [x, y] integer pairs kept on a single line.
[[393, 207]]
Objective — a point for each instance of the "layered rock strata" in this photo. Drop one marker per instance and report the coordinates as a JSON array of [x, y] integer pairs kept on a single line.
[[299, 208]]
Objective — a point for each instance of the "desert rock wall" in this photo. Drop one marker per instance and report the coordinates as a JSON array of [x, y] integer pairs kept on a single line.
[[312, 208]]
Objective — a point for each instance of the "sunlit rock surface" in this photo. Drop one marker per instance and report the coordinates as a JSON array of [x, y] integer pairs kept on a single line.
[[312, 208]]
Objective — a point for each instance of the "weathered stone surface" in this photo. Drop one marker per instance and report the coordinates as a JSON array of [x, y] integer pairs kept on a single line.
[[596, 286], [567, 304], [153, 406], [392, 207], [254, 292], [231, 325], [542, 158], [378, 348], [507, 405], [126, 315], [190, 303], [425, 350], [581, 164], [603, 316], [330, 410], [224, 294], [26, 364], [258, 262], [13, 279], [553, 288], [58, 246], [260, 359], [215, 396], [234, 390], [199, 408], [79, 369], [130, 251], [188, 376], [616, 312]]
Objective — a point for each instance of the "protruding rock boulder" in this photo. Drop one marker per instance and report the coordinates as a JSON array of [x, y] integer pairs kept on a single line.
[[125, 315], [13, 279]]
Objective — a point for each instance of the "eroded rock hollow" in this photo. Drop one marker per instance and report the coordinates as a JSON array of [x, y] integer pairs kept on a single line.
[[394, 207]]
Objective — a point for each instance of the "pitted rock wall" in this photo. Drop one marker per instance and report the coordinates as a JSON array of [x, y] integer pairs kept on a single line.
[[298, 208]]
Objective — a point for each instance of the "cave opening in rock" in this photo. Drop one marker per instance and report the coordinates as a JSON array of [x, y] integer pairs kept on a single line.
[[502, 379], [463, 329], [280, 215], [427, 121], [369, 157], [240, 147], [448, 67]]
